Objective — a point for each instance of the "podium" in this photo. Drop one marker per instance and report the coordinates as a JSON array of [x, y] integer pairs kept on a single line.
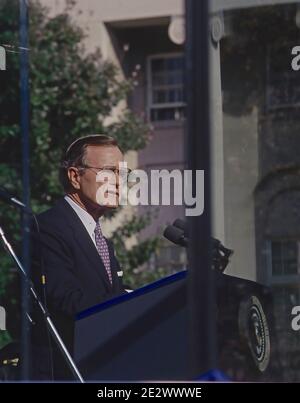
[[144, 335]]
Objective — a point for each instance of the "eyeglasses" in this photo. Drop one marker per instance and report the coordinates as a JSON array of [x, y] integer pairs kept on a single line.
[[120, 172]]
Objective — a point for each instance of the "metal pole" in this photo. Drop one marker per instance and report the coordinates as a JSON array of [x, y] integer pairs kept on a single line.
[[24, 96], [46, 316], [201, 287]]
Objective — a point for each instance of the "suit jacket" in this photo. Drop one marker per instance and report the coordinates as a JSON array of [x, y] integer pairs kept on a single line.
[[75, 274]]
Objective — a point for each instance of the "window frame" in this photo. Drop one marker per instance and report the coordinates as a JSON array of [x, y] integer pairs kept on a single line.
[[150, 104], [284, 279]]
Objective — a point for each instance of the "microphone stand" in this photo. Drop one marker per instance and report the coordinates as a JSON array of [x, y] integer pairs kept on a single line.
[[46, 316]]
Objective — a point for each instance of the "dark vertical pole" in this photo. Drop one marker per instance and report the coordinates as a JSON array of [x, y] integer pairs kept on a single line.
[[201, 287], [24, 95]]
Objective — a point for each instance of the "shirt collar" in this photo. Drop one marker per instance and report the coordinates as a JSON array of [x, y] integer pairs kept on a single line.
[[87, 220]]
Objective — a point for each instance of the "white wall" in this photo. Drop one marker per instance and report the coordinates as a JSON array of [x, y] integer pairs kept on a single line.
[[240, 179]]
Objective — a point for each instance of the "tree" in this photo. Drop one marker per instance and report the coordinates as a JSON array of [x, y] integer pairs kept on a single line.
[[72, 93]]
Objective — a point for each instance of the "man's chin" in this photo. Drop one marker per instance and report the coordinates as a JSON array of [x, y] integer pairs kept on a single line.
[[111, 206], [108, 204]]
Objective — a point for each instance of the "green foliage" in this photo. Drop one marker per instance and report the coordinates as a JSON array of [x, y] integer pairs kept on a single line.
[[72, 92], [135, 257]]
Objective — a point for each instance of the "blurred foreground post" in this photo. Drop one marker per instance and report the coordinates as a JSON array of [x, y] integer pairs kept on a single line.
[[24, 96], [201, 287]]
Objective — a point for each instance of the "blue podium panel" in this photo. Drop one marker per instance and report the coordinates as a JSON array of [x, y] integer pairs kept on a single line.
[[144, 335], [141, 335]]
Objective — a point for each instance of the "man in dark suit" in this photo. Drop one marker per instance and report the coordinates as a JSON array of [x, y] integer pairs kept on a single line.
[[79, 268]]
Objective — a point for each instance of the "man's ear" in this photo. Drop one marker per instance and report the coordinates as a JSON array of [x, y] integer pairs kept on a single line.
[[74, 177]]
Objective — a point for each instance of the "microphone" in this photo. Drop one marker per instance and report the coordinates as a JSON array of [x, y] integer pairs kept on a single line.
[[5, 196], [175, 235], [178, 234], [179, 223]]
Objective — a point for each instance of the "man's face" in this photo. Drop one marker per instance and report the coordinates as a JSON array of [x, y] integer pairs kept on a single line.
[[88, 182]]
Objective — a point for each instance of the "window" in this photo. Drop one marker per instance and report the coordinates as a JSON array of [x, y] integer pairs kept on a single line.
[[285, 264], [165, 89], [285, 258]]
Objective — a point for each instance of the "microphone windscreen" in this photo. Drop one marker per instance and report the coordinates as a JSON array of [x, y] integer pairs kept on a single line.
[[181, 224], [175, 235]]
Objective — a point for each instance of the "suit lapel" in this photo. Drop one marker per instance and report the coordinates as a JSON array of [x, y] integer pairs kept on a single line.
[[85, 242]]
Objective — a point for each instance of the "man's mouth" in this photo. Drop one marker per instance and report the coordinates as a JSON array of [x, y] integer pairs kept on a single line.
[[112, 192]]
